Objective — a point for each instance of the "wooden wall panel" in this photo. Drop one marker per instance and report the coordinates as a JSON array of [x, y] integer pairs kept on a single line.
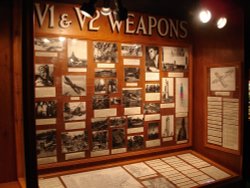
[[214, 46], [7, 133]]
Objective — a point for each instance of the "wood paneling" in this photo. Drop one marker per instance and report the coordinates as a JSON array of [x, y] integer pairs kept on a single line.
[[7, 133], [214, 46]]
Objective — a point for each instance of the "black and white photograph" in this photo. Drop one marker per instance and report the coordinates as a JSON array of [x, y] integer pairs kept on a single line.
[[135, 121], [181, 95], [131, 50], [152, 88], [44, 75], [152, 59], [181, 124], [48, 44], [135, 142], [99, 140], [167, 90], [74, 111], [105, 73], [105, 52], [104, 86], [115, 100], [152, 108], [167, 126], [131, 97], [100, 102], [117, 121], [74, 85], [46, 143], [45, 109], [153, 130], [74, 141], [112, 86], [174, 59], [100, 86], [77, 53], [98, 124], [118, 138], [132, 74]]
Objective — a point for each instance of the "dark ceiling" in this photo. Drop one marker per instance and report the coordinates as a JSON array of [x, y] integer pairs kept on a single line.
[[182, 9], [173, 8]]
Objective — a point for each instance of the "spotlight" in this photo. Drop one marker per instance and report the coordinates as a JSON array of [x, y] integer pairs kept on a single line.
[[121, 13], [221, 22], [205, 16], [88, 9], [106, 8]]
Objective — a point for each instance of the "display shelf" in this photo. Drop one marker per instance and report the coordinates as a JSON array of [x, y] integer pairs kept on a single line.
[[180, 169]]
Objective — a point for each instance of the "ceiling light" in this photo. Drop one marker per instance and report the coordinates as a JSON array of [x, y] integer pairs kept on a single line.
[[106, 8], [88, 9], [221, 22], [205, 16]]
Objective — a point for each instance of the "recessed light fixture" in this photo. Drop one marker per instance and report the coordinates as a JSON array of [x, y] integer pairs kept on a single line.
[[106, 10], [88, 9], [221, 22], [205, 16]]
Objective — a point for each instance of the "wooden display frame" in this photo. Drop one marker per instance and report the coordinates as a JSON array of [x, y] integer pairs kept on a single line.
[[157, 163], [234, 94], [60, 69]]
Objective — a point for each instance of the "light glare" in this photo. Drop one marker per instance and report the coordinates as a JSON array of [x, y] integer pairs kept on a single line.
[[221, 22], [205, 16]]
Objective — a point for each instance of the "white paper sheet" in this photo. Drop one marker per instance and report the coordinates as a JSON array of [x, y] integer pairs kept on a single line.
[[50, 183], [115, 177]]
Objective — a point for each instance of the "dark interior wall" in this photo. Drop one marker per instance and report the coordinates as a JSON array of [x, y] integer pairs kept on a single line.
[[214, 46], [7, 133]]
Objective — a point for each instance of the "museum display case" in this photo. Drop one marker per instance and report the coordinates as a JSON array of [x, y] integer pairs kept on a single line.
[[147, 101]]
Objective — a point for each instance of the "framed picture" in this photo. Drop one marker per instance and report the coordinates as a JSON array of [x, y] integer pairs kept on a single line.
[[74, 111], [48, 44], [131, 50], [174, 59], [152, 59], [46, 143], [223, 79], [74, 141], [74, 85], [77, 53], [105, 52], [135, 142], [44, 75]]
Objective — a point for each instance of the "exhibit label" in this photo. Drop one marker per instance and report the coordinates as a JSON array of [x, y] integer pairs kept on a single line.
[[53, 16]]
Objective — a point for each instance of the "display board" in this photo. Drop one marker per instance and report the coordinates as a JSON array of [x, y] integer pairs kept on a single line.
[[112, 101], [185, 169], [223, 107], [101, 96]]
